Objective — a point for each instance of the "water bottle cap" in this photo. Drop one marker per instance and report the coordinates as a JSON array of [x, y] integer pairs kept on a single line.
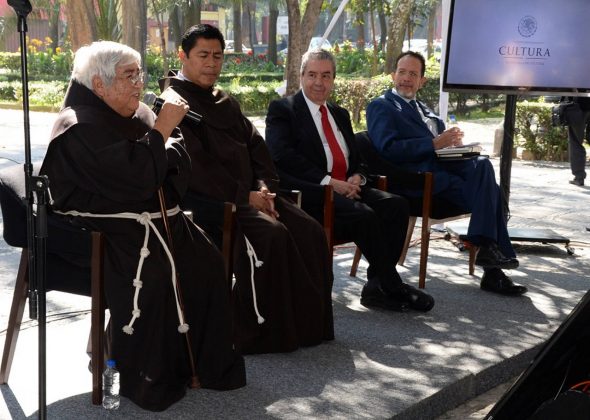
[[110, 363]]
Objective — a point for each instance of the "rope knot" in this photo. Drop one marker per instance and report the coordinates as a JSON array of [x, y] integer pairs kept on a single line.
[[136, 313], [144, 253], [144, 218], [183, 328], [137, 283]]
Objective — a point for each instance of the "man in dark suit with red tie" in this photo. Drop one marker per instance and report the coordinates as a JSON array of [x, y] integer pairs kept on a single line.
[[312, 142]]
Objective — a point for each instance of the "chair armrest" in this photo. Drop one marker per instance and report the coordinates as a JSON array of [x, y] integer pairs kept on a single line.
[[293, 195]]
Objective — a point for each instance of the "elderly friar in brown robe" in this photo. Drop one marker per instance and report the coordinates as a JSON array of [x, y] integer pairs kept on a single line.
[[281, 251], [106, 161]]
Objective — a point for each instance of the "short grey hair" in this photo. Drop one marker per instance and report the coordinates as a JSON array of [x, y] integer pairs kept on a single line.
[[317, 54], [101, 59]]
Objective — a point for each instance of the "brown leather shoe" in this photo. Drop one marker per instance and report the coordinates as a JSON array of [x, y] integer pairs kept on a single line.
[[494, 280]]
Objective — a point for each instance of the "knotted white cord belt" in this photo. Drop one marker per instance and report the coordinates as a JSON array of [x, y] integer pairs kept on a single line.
[[145, 219], [254, 262]]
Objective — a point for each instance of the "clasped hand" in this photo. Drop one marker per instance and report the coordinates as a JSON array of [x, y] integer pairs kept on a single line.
[[451, 137], [263, 200], [351, 188]]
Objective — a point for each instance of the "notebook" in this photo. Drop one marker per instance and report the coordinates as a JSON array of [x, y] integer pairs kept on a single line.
[[466, 150]]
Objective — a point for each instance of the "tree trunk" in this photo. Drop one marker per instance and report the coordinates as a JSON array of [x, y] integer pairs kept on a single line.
[[246, 25], [238, 26], [176, 26], [397, 28], [374, 62], [382, 26], [81, 22], [163, 52], [431, 27], [252, 23], [193, 13], [360, 31], [300, 33], [135, 26], [54, 11], [272, 33]]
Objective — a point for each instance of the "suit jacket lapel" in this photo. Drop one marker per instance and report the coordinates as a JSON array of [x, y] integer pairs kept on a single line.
[[307, 124]]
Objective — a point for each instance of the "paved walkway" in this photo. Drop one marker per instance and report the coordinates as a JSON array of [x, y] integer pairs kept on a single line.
[[381, 365]]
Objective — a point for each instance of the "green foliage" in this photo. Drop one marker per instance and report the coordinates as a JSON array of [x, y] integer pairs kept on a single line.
[[355, 94], [48, 94], [536, 134], [252, 98], [108, 25], [10, 61], [352, 61], [43, 63], [249, 63], [8, 91]]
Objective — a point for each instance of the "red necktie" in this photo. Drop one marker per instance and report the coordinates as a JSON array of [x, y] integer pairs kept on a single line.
[[338, 159]]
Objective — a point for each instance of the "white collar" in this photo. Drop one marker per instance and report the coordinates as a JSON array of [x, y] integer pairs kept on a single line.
[[313, 107]]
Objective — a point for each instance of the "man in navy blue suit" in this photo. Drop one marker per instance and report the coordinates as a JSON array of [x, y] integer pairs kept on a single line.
[[312, 143], [406, 133]]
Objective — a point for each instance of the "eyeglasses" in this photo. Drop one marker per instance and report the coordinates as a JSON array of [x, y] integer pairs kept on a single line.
[[134, 78]]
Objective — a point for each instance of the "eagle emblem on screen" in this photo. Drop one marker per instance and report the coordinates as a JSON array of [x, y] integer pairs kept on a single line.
[[527, 26]]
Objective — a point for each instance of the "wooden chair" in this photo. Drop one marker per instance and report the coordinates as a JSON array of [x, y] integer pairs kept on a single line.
[[324, 194], [431, 209], [74, 264]]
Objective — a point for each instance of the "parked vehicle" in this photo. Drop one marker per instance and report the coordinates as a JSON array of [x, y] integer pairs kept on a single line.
[[316, 42], [229, 47]]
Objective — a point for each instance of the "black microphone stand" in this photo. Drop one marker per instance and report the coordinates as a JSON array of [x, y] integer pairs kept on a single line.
[[36, 223]]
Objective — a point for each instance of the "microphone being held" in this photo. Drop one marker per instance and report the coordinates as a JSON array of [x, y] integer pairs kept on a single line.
[[171, 112], [151, 99]]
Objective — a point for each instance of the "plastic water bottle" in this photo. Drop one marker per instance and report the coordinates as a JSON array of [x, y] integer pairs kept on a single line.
[[110, 387], [452, 121]]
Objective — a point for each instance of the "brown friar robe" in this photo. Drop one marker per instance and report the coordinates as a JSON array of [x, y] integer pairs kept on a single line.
[[293, 285], [102, 163]]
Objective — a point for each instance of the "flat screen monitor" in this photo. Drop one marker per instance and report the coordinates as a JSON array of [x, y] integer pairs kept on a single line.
[[536, 47]]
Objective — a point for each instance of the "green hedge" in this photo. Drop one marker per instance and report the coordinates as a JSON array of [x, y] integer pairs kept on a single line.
[[535, 133], [48, 94]]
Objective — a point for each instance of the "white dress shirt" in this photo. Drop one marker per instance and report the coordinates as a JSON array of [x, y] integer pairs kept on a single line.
[[317, 119]]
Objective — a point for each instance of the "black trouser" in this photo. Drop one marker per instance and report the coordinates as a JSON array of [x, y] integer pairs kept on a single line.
[[577, 120], [378, 224]]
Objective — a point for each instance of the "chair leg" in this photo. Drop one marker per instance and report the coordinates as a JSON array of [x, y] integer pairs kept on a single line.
[[355, 262], [424, 252], [472, 254], [409, 233], [16, 315], [97, 316], [228, 240]]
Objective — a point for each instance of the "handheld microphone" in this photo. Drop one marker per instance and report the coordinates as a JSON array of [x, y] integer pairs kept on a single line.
[[156, 103]]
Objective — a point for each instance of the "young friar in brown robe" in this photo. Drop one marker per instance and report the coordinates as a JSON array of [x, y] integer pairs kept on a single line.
[[280, 250], [106, 161]]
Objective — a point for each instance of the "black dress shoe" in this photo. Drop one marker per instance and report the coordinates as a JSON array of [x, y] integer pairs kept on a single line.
[[491, 257], [417, 299], [377, 298], [577, 181], [494, 280]]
